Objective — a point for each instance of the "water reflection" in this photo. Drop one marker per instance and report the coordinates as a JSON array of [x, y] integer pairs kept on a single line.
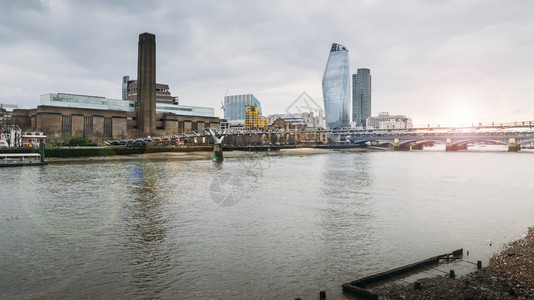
[[348, 219], [146, 228]]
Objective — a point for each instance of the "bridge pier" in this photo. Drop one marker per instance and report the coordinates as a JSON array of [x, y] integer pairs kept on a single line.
[[217, 147], [449, 146], [397, 146], [418, 147], [217, 153], [514, 149], [513, 146], [402, 147], [456, 147]]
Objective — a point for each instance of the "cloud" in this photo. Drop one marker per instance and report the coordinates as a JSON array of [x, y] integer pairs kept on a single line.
[[275, 49]]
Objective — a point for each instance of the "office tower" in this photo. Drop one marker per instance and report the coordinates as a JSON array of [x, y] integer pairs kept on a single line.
[[336, 88], [361, 96], [146, 84], [234, 106]]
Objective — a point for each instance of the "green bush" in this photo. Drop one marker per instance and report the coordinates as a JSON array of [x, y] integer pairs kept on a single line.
[[80, 141]]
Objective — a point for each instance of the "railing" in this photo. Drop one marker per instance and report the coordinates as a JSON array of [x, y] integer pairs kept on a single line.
[[436, 133], [355, 133]]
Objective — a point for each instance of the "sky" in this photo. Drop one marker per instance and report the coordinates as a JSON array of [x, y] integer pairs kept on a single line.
[[436, 61]]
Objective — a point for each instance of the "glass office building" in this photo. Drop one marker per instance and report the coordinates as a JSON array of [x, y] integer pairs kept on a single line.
[[336, 88], [234, 106], [184, 110], [84, 101], [361, 96]]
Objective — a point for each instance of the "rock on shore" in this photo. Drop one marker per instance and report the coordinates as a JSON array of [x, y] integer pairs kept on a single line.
[[510, 275]]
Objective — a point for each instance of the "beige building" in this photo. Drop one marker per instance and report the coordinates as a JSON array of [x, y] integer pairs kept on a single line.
[[387, 121]]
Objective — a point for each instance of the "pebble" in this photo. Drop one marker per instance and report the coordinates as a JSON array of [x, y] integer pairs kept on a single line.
[[509, 275]]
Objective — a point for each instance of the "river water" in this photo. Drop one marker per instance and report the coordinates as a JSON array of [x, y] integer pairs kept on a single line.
[[255, 227]]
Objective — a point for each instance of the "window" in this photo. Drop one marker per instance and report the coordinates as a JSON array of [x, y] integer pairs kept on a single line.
[[108, 127], [88, 125], [66, 126]]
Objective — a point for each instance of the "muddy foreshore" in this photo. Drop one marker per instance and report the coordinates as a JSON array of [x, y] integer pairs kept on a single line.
[[509, 275], [200, 155]]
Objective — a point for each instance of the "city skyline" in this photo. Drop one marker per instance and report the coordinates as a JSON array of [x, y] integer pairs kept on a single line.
[[446, 62]]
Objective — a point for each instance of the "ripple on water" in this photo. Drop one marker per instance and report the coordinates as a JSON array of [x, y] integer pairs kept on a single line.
[[152, 229]]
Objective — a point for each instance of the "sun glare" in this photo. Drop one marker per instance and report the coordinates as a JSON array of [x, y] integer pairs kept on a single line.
[[461, 115]]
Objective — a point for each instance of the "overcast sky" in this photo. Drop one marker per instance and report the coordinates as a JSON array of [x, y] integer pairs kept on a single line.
[[435, 61]]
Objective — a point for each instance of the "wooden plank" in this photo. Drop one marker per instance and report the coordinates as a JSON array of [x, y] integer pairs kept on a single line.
[[357, 287]]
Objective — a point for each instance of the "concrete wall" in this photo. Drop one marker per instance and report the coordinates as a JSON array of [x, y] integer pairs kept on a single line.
[[49, 123], [22, 118], [119, 127], [171, 126]]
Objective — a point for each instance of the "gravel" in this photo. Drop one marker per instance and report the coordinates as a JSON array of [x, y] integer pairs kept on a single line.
[[510, 275]]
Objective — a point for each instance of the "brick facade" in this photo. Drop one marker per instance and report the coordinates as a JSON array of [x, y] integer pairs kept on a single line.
[[49, 119]]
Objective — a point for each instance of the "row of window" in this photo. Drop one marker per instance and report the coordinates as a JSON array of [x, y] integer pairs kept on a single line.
[[157, 90], [181, 126], [66, 126], [88, 126]]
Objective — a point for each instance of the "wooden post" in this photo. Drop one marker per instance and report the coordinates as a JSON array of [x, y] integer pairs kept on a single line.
[[42, 149]]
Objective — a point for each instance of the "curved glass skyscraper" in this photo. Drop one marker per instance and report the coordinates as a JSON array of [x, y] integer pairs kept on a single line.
[[336, 88]]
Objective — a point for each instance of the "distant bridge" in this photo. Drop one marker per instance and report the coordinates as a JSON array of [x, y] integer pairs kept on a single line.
[[455, 138]]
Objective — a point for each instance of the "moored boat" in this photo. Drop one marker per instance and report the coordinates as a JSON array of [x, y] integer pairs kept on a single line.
[[21, 159], [24, 159]]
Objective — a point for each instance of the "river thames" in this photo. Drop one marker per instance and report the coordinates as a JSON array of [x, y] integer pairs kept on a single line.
[[254, 227]]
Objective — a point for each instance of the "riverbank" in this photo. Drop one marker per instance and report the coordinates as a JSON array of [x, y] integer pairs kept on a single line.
[[510, 275], [195, 155]]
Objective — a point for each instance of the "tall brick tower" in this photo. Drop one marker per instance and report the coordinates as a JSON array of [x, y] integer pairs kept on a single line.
[[146, 84]]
